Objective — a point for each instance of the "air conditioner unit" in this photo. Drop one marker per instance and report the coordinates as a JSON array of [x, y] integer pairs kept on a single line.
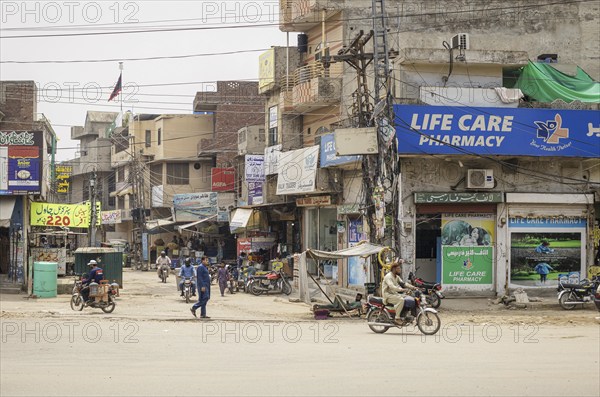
[[461, 41], [480, 179]]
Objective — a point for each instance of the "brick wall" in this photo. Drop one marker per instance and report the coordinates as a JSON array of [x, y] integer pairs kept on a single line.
[[18, 103]]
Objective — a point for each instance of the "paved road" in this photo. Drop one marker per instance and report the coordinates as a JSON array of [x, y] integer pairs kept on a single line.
[[56, 357]]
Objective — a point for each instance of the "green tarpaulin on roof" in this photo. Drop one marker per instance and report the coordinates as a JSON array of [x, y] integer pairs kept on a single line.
[[543, 83]]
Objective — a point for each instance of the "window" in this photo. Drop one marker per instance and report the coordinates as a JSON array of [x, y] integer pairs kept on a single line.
[[121, 174], [156, 176], [178, 173], [112, 186], [159, 137], [273, 138], [148, 138]]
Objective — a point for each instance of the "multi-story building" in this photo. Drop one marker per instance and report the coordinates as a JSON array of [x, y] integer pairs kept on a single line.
[[452, 64], [91, 164], [27, 148]]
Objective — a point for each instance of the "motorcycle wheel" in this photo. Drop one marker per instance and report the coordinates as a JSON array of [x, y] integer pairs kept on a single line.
[[378, 316], [254, 290], [564, 298], [286, 288], [77, 303], [187, 297], [428, 323], [110, 307], [434, 300]]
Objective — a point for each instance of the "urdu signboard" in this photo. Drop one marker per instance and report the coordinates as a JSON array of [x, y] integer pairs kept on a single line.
[[21, 162]]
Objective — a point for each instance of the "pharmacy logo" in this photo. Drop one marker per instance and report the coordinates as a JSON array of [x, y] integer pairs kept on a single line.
[[551, 131]]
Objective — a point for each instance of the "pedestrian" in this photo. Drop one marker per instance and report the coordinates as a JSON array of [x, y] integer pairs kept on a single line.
[[223, 277], [203, 284]]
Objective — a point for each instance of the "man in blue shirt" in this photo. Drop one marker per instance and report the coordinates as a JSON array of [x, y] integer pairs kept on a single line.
[[203, 288], [187, 271], [96, 275]]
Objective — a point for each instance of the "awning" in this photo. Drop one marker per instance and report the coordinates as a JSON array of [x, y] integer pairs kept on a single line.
[[365, 249], [122, 192], [7, 204], [240, 218], [156, 223], [186, 226]]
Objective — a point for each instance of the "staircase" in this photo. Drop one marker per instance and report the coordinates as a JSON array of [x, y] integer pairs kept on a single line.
[[7, 286]]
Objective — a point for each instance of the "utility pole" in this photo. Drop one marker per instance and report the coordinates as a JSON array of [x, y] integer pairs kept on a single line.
[[385, 167], [94, 215]]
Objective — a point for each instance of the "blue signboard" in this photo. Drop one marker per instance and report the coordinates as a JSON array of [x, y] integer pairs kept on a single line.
[[328, 153], [21, 162], [497, 131]]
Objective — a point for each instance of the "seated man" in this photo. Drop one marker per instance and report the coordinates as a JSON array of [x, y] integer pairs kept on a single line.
[[96, 275], [187, 271], [393, 290]]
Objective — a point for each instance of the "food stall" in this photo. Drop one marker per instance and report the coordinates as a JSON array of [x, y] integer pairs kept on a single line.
[[55, 246]]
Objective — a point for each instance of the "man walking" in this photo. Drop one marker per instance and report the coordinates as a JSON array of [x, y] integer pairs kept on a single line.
[[203, 288]]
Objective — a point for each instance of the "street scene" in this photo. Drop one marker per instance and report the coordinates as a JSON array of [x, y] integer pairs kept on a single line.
[[266, 345], [300, 197]]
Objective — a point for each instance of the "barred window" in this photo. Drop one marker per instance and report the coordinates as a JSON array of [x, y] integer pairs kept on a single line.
[[178, 174]]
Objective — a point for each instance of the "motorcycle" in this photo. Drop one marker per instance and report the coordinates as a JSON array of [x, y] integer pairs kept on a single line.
[[431, 289], [212, 271], [570, 295], [273, 282], [187, 289], [164, 273], [380, 317], [102, 296]]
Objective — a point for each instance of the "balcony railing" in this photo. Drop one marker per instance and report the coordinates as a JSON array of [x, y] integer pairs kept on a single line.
[[299, 15], [310, 87]]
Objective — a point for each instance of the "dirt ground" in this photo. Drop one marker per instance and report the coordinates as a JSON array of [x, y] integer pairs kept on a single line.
[[144, 297], [151, 345]]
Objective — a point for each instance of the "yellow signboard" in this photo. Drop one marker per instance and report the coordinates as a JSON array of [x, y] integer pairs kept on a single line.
[[67, 215], [63, 173], [266, 69]]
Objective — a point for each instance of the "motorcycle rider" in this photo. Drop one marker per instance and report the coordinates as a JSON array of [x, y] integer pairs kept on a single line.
[[161, 261], [96, 275], [187, 271], [393, 291]]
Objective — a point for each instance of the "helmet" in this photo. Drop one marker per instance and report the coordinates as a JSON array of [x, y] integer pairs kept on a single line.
[[188, 261], [92, 263], [163, 253]]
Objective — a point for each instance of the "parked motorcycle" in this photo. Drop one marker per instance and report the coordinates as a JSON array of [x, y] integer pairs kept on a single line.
[[380, 317], [275, 282], [570, 295], [187, 289], [431, 289], [164, 273], [102, 296]]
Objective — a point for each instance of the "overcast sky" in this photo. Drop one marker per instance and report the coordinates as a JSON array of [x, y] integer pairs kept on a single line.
[[67, 106]]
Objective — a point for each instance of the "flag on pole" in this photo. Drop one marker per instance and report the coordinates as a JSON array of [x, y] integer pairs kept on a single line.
[[117, 89]]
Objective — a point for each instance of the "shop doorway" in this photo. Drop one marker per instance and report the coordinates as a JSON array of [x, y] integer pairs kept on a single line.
[[4, 250], [427, 246]]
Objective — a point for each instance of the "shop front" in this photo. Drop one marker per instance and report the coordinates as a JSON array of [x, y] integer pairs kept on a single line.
[[548, 239], [456, 239]]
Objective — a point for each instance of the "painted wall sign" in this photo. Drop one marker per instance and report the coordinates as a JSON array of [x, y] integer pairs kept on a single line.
[[68, 215], [497, 131], [435, 198], [255, 193], [21, 162]]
